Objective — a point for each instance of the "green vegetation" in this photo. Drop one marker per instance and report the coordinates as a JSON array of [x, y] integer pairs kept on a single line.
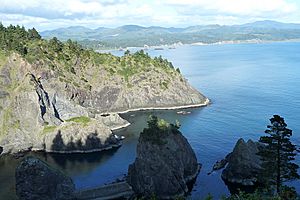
[[69, 60], [82, 119], [288, 193], [48, 129], [3, 57], [16, 37], [277, 166], [153, 36], [158, 129], [278, 155]]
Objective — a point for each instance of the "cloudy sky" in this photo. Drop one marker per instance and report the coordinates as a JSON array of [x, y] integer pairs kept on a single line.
[[50, 14]]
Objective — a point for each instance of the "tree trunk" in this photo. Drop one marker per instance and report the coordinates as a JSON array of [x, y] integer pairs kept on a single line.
[[278, 181]]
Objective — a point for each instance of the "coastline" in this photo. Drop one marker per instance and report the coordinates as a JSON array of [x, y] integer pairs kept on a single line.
[[206, 102], [224, 42], [81, 151], [120, 127]]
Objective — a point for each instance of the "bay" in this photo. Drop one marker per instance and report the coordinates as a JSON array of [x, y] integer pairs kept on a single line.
[[246, 83]]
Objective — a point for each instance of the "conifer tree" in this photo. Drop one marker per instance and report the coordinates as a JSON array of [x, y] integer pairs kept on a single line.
[[278, 155], [33, 34]]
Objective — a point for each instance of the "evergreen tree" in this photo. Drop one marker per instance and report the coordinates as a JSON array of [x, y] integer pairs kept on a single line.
[[127, 53], [277, 155], [55, 44], [33, 34]]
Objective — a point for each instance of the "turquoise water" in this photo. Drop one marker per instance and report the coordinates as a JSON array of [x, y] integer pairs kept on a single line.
[[247, 84]]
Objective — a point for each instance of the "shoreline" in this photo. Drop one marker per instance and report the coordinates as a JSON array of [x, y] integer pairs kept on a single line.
[[224, 42], [206, 102], [120, 127], [80, 151]]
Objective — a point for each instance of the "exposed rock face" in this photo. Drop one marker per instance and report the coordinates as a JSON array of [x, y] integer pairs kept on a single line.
[[113, 120], [34, 97], [76, 137], [163, 167], [36, 180], [243, 164]]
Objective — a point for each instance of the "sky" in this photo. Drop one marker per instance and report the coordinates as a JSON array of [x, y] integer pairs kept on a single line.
[[51, 14]]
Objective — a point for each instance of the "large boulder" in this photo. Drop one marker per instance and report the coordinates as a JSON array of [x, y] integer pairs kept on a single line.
[[243, 164], [113, 120], [36, 180], [164, 165]]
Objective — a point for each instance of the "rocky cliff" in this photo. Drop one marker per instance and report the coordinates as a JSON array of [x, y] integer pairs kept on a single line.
[[37, 102], [36, 180], [243, 164], [165, 162], [50, 89]]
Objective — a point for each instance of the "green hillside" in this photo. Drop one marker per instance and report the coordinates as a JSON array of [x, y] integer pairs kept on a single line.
[[138, 36]]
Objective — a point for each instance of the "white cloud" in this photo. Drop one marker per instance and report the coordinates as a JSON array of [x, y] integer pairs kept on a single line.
[[238, 7], [46, 14]]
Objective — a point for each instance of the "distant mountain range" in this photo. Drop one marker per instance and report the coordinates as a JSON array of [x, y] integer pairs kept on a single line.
[[133, 35]]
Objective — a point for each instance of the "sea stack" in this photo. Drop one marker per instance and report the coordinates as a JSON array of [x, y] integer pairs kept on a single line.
[[165, 162], [243, 164], [37, 180]]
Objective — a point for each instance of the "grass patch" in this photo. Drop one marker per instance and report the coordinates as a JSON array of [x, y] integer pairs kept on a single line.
[[82, 119], [48, 129], [164, 85], [3, 58]]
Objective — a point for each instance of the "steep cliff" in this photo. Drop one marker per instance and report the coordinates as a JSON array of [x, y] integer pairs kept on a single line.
[[48, 86], [243, 164], [165, 162], [37, 180]]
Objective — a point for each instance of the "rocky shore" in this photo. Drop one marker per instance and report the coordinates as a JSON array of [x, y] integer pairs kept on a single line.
[[242, 165], [41, 111], [165, 166]]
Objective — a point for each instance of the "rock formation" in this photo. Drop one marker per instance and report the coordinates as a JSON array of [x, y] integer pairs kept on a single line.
[[165, 162], [38, 100], [36, 180], [243, 164], [75, 137], [112, 120]]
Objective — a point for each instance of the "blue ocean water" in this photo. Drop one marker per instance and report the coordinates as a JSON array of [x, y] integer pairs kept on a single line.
[[246, 83]]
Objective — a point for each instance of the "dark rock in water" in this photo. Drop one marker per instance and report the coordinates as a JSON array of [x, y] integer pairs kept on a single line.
[[18, 155], [243, 164], [164, 166], [220, 164], [36, 180]]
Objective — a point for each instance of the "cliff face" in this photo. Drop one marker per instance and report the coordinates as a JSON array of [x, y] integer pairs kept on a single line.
[[164, 165], [243, 164], [40, 102], [36, 180]]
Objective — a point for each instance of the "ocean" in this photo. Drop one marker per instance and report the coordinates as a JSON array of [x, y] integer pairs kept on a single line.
[[246, 83]]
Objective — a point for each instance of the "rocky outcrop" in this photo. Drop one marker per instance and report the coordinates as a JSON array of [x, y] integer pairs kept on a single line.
[[112, 120], [80, 138], [164, 165], [36, 180], [34, 97], [243, 164]]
